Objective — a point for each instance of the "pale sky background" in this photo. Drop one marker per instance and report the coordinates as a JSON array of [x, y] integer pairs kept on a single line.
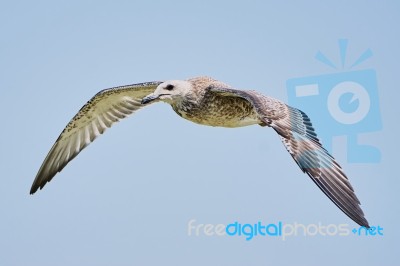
[[127, 199]]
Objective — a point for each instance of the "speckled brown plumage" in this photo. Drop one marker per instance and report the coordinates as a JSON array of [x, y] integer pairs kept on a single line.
[[206, 101]]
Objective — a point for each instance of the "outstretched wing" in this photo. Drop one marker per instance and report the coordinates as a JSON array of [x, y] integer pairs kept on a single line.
[[301, 141], [99, 113]]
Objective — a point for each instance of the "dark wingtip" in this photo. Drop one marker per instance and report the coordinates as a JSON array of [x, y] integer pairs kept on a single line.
[[33, 189], [365, 223]]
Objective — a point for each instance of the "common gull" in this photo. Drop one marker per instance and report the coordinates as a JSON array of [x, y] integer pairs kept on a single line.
[[206, 101]]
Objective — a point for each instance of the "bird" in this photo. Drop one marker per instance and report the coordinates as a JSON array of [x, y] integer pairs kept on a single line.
[[207, 101]]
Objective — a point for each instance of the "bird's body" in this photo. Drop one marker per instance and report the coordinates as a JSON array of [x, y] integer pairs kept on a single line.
[[217, 111], [206, 101], [210, 109]]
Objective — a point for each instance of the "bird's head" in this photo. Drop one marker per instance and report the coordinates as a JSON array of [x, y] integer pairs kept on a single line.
[[170, 92]]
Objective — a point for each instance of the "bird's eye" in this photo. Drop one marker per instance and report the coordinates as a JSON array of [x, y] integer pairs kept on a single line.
[[169, 87]]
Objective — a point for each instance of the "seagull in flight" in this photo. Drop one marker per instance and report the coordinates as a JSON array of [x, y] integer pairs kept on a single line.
[[207, 101]]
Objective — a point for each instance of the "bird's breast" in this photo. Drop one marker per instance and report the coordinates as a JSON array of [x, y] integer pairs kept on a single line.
[[230, 112]]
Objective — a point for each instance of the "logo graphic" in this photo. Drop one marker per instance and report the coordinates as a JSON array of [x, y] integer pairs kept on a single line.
[[343, 103]]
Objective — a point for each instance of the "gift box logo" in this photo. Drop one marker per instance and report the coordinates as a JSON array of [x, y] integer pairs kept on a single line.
[[342, 103]]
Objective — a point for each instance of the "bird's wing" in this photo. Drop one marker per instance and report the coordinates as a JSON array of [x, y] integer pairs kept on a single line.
[[99, 113], [299, 137]]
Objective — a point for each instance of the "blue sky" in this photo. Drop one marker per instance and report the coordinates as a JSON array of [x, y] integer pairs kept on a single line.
[[128, 198]]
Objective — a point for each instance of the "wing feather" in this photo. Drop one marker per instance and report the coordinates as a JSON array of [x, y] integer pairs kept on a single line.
[[99, 113], [301, 141]]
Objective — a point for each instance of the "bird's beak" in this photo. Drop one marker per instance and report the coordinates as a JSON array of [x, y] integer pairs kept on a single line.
[[149, 98]]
